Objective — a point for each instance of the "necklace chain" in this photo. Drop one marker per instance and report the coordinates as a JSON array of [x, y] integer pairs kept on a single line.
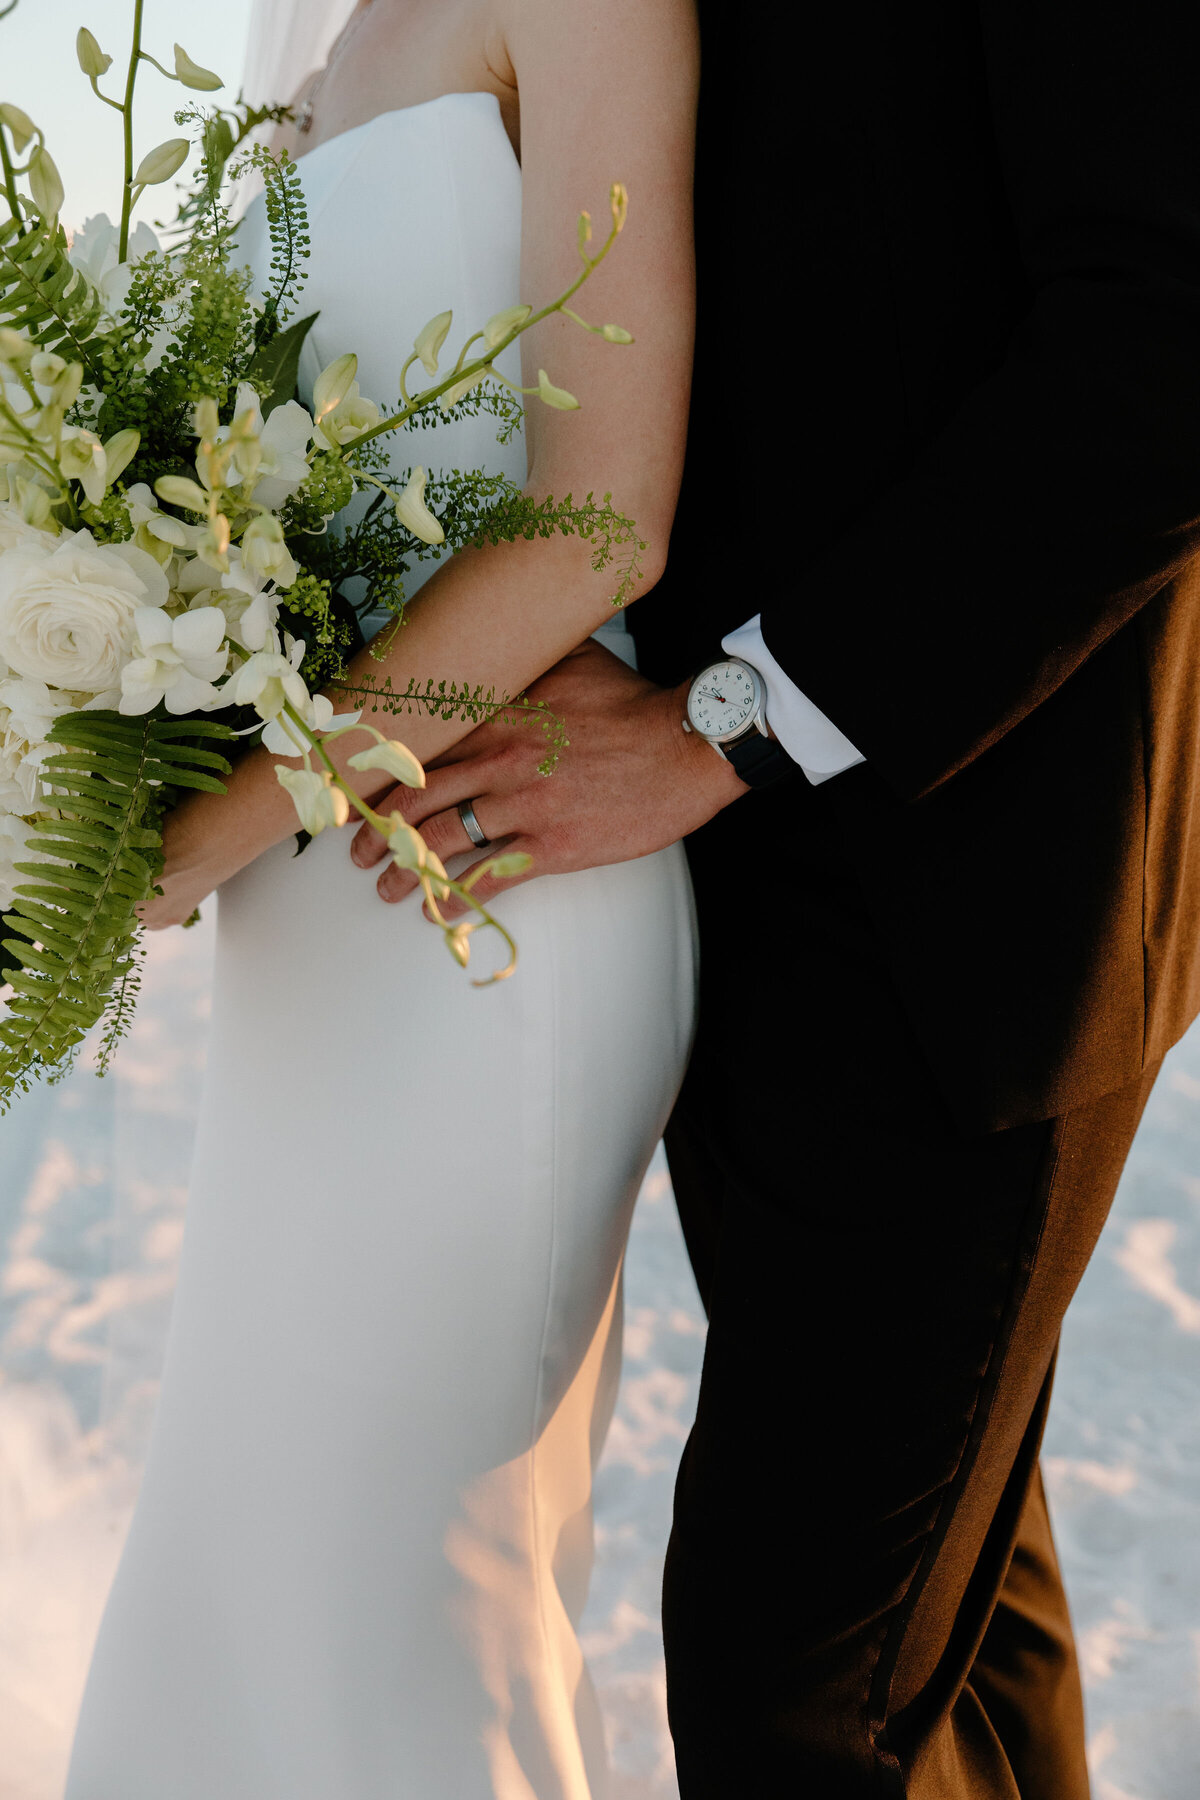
[[344, 39]]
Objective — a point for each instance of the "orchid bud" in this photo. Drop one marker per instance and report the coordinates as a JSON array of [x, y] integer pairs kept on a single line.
[[213, 545], [161, 163], [407, 846], [513, 862], [458, 942], [263, 548], [45, 183], [555, 396], [619, 201], [179, 490], [584, 230], [206, 421], [430, 339], [435, 867], [501, 323], [19, 124], [616, 334], [35, 504], [92, 59], [192, 75], [413, 513], [395, 757], [119, 452], [15, 349], [454, 394], [45, 367], [333, 384]]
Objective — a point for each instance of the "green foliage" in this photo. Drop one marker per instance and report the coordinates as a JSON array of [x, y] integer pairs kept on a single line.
[[327, 489], [221, 133], [75, 956], [472, 508], [455, 700], [329, 629], [275, 368], [41, 293], [108, 521], [287, 225]]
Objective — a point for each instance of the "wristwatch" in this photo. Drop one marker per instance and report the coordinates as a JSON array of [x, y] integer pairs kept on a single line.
[[725, 706]]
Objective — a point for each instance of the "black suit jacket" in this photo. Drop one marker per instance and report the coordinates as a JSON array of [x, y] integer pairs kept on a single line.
[[946, 436]]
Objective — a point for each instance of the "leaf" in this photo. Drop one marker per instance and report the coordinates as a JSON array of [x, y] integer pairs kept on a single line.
[[275, 367], [74, 959], [41, 292]]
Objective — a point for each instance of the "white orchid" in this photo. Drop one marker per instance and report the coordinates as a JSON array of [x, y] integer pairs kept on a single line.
[[317, 801], [264, 551], [82, 459], [350, 416], [158, 533], [270, 680], [250, 617], [283, 439], [95, 252], [282, 739], [176, 661]]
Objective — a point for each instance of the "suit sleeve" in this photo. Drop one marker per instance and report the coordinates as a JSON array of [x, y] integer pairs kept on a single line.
[[1065, 492]]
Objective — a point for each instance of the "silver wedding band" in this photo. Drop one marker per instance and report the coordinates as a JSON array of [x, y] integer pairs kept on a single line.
[[471, 825]]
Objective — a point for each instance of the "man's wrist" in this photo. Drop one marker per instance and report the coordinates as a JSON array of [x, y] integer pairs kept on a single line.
[[701, 758]]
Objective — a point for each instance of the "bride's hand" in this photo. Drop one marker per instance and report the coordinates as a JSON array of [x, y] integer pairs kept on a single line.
[[192, 836]]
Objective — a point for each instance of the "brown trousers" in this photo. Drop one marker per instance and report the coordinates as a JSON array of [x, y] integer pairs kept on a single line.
[[862, 1596]]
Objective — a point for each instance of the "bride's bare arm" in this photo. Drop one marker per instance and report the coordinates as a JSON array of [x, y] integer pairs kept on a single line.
[[607, 92]]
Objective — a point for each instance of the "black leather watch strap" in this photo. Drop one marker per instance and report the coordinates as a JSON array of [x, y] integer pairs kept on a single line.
[[759, 760]]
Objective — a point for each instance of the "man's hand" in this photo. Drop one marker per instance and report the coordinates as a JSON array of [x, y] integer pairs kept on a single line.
[[630, 782]]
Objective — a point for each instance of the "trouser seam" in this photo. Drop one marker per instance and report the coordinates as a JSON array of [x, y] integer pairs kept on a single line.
[[883, 1669]]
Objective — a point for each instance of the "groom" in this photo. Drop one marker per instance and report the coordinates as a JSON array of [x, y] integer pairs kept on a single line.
[[951, 923]]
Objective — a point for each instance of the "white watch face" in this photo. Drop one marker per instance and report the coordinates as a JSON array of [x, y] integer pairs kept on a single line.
[[722, 700]]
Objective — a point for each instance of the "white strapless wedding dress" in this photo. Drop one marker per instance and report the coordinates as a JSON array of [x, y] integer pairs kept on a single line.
[[363, 1540]]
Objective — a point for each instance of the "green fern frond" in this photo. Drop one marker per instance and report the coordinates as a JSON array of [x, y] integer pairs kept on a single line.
[[41, 292], [74, 954]]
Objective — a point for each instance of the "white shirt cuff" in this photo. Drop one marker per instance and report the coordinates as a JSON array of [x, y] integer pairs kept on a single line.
[[809, 738]]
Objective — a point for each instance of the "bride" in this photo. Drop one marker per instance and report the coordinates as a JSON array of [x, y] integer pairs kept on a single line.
[[363, 1539]]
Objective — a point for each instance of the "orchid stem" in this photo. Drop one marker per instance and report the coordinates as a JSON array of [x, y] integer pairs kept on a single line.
[[135, 57]]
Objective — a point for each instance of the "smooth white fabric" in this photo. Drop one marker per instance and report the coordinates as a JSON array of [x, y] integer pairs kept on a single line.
[[809, 737], [355, 1574]]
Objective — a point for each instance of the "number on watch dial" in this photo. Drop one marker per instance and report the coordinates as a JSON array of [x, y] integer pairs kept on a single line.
[[722, 700]]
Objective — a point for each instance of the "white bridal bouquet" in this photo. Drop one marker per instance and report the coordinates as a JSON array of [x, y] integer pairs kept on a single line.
[[171, 568]]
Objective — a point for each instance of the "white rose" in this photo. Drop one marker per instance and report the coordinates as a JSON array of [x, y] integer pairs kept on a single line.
[[67, 609]]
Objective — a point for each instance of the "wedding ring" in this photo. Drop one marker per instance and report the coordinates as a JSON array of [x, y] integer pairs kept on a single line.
[[471, 825]]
